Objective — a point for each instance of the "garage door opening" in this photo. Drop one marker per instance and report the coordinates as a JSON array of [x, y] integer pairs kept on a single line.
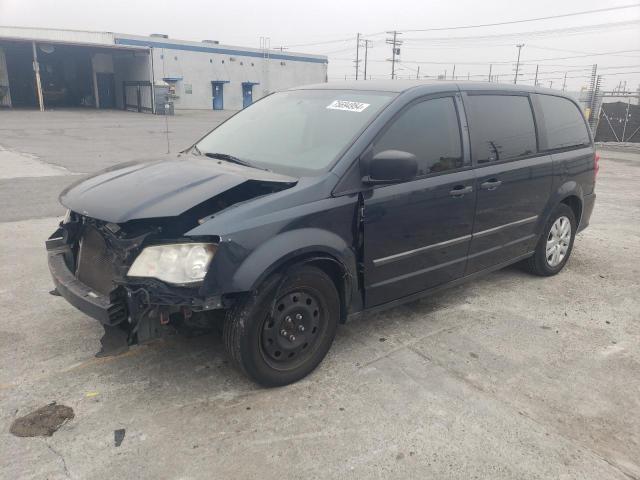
[[69, 76], [20, 75]]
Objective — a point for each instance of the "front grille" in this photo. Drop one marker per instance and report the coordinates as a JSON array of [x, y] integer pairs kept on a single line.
[[95, 265]]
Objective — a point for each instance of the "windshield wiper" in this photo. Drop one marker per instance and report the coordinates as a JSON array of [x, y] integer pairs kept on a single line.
[[230, 158]]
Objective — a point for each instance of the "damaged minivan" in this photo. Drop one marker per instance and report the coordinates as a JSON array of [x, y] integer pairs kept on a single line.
[[317, 204]]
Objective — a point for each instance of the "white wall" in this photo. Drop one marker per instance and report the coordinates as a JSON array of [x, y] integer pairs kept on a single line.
[[199, 69], [4, 80]]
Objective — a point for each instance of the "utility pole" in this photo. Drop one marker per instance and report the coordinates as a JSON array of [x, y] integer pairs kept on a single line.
[[357, 62], [395, 50], [490, 67], [453, 75], [366, 49], [564, 82], [515, 79], [418, 73], [535, 82]]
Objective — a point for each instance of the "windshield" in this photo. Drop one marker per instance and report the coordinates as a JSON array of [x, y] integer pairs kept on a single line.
[[299, 132]]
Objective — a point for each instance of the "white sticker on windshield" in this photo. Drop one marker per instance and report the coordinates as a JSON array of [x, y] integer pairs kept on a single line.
[[348, 106]]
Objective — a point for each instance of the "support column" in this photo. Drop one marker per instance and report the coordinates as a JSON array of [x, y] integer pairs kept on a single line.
[[36, 69], [94, 76]]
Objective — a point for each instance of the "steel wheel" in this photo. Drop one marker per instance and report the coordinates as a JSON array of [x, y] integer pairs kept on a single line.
[[558, 241], [293, 332]]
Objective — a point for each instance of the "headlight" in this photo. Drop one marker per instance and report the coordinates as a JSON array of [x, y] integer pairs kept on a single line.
[[178, 263]]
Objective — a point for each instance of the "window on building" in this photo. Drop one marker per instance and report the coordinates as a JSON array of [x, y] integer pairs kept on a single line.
[[564, 125], [430, 131], [501, 127]]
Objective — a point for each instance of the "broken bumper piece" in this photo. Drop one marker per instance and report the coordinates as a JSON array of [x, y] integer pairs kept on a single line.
[[108, 310]]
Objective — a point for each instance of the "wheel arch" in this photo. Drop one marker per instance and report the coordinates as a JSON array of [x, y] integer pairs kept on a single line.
[[570, 193], [575, 203], [317, 247]]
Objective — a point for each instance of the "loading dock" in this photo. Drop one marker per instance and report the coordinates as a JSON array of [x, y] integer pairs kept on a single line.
[[49, 73]]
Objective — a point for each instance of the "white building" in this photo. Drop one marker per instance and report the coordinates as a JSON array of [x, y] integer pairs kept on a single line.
[[112, 70]]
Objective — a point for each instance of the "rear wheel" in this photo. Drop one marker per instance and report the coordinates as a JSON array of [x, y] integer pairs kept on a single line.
[[555, 244], [280, 333]]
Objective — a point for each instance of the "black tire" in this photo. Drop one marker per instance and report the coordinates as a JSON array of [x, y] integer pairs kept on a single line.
[[538, 264], [254, 329]]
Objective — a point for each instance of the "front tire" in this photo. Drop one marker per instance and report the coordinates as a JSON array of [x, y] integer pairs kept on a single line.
[[280, 333], [555, 244]]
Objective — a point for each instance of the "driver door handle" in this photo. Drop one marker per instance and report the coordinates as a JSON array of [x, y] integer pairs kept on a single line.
[[460, 190]]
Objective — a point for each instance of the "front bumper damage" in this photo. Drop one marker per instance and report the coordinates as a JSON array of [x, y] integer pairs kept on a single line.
[[131, 312]]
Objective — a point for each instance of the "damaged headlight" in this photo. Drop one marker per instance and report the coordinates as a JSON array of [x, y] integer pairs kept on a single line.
[[178, 263]]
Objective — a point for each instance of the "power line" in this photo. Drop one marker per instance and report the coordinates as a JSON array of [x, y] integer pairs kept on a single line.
[[553, 31], [327, 42], [461, 27], [507, 62], [511, 22]]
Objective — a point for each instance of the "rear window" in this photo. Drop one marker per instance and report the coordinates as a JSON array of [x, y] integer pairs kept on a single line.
[[501, 127], [563, 124]]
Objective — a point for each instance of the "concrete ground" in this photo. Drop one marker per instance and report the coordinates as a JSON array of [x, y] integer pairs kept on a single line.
[[511, 376]]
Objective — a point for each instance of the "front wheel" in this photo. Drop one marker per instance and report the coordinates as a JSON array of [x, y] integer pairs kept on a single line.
[[281, 332], [555, 244]]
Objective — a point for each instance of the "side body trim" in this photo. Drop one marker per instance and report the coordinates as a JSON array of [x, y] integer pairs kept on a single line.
[[410, 253]]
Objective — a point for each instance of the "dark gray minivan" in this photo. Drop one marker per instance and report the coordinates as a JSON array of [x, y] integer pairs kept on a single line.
[[323, 202]]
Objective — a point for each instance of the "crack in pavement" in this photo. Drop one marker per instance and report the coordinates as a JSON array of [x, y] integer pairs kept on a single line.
[[60, 456]]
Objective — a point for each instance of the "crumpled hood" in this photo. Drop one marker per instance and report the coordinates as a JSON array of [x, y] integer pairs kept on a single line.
[[158, 188]]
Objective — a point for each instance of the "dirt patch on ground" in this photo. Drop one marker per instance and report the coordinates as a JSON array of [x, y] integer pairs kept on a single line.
[[42, 422]]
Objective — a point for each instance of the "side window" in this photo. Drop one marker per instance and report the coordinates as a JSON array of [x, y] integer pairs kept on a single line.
[[501, 127], [430, 131], [563, 125]]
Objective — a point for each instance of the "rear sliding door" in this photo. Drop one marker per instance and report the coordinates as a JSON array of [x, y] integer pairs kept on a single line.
[[512, 178]]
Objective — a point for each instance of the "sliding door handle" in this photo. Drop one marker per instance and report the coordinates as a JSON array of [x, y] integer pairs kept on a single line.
[[460, 190], [491, 184]]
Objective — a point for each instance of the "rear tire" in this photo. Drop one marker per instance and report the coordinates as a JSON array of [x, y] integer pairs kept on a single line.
[[280, 333], [555, 244]]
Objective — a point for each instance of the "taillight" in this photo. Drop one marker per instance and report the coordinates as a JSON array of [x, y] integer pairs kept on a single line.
[[596, 165]]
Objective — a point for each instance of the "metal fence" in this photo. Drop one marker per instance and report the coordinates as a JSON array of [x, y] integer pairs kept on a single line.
[[137, 96], [618, 122]]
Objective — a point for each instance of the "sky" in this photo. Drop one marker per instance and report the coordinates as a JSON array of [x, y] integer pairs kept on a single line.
[[557, 46]]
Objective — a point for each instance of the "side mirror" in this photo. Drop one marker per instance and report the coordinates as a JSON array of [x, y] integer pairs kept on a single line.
[[391, 166]]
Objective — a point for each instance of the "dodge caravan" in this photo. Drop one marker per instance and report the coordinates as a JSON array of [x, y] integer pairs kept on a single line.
[[320, 203]]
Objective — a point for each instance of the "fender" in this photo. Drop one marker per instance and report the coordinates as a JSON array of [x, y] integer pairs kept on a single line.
[[285, 247], [567, 189]]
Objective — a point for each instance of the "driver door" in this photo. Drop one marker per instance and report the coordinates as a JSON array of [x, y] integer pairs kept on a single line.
[[417, 233]]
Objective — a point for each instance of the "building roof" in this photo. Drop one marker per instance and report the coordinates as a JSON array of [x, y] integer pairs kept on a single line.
[[126, 41]]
